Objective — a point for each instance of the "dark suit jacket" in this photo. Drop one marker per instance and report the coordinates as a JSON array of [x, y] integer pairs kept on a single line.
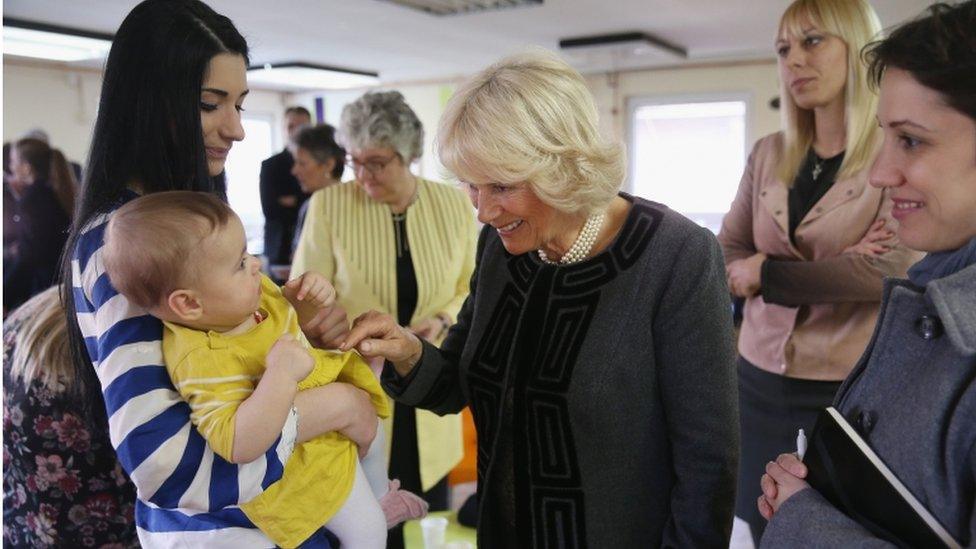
[[42, 230], [279, 221]]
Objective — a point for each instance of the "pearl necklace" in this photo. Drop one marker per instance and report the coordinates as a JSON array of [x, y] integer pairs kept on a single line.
[[584, 242]]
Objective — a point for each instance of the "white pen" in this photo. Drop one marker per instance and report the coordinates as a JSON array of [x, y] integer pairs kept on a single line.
[[801, 444]]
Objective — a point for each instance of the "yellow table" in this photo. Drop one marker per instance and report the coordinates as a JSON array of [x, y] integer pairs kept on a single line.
[[413, 539]]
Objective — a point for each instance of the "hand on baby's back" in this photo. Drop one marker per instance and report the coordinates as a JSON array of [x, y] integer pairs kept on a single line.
[[289, 355]]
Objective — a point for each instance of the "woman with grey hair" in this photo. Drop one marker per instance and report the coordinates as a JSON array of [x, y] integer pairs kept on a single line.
[[397, 243], [595, 347]]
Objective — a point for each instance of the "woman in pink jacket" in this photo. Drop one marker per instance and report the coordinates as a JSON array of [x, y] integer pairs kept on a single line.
[[807, 241]]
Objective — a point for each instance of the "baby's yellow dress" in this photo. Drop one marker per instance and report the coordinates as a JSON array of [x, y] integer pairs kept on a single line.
[[215, 373]]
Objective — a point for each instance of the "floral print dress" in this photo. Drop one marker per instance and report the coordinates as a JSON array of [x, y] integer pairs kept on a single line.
[[62, 484]]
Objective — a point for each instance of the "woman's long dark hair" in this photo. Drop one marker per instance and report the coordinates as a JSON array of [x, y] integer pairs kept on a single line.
[[148, 128]]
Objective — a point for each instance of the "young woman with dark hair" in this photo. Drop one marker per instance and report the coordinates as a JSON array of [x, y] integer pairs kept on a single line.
[[42, 217], [912, 395], [169, 113]]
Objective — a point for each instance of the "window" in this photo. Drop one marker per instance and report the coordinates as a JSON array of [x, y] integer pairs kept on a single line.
[[688, 155], [243, 170]]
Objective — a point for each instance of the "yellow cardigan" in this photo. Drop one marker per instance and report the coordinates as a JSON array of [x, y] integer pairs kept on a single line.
[[348, 237]]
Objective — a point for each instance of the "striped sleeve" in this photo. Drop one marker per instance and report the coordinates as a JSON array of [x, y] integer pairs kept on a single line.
[[169, 462]]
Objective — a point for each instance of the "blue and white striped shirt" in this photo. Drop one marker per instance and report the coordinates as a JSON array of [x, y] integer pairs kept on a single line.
[[188, 496]]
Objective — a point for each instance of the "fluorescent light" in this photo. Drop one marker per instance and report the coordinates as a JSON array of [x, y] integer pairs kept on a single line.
[[306, 76], [54, 43]]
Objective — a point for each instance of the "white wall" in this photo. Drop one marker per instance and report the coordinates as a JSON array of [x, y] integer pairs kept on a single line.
[[757, 80], [64, 103]]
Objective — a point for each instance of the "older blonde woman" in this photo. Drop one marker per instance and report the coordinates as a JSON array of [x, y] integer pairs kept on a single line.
[[400, 244], [595, 348], [807, 240]]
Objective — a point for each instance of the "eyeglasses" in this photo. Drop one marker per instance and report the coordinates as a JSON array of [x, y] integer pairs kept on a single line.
[[373, 165]]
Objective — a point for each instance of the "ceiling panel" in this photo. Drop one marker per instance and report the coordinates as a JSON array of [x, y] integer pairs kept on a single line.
[[406, 45]]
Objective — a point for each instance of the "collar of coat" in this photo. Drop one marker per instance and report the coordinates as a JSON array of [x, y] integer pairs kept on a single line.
[[954, 297]]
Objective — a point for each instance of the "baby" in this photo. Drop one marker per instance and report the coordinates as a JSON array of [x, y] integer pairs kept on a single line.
[[235, 352]]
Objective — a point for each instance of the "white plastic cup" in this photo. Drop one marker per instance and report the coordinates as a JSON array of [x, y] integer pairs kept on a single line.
[[433, 529]]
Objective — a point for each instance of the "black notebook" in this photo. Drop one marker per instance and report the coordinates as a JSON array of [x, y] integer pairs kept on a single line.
[[847, 472]]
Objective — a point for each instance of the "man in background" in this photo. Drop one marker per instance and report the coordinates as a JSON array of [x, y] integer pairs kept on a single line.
[[281, 195]]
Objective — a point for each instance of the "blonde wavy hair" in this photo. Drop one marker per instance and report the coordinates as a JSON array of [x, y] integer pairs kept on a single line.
[[530, 119], [41, 343], [856, 23]]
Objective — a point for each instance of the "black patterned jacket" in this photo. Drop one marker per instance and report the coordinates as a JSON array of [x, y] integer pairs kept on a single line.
[[603, 392]]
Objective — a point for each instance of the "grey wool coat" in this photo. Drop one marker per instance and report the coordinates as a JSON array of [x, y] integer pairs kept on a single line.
[[603, 393], [913, 397]]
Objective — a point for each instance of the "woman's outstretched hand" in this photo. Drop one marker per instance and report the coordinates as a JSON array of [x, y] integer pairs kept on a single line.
[[375, 334]]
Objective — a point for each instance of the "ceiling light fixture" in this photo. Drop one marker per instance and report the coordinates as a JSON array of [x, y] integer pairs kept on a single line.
[[620, 51], [457, 7], [53, 42], [295, 76], [637, 43]]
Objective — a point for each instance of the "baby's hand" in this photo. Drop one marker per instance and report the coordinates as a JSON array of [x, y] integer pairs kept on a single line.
[[289, 355], [311, 291], [310, 295]]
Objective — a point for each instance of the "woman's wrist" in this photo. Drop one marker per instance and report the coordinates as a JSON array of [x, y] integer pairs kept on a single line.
[[404, 367]]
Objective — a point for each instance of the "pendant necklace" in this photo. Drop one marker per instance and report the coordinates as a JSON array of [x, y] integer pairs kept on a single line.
[[817, 166]]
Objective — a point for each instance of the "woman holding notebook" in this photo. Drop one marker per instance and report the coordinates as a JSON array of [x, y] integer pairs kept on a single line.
[[912, 396]]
